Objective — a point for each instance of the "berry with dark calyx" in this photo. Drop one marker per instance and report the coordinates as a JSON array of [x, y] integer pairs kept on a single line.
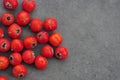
[[1, 33], [4, 62]]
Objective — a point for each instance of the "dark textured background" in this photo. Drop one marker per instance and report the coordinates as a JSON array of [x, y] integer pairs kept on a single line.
[[91, 31]]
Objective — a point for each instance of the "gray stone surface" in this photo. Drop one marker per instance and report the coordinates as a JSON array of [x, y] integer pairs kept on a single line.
[[91, 31]]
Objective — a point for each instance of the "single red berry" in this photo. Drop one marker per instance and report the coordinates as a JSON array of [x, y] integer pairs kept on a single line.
[[30, 42], [55, 39], [3, 78], [28, 5], [19, 71], [61, 53], [4, 62], [7, 19], [4, 45], [50, 24], [17, 45], [1, 33], [36, 25], [23, 18], [15, 59], [47, 51], [10, 4], [28, 56], [42, 37], [14, 31]]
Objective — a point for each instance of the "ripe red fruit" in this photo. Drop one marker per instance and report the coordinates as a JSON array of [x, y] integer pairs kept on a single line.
[[50, 24], [16, 45], [14, 31], [30, 42], [10, 4], [41, 62], [28, 56], [3, 78], [42, 37], [19, 71], [7, 19], [15, 59], [36, 25], [4, 62], [1, 33], [23, 18], [4, 45], [28, 5], [61, 53], [55, 39], [47, 51]]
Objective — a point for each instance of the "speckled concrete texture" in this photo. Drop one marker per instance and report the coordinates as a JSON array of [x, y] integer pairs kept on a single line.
[[91, 31]]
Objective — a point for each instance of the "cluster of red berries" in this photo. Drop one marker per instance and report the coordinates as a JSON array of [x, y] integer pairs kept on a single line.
[[16, 45]]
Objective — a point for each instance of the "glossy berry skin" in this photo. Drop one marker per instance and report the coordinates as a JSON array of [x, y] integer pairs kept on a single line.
[[15, 59], [19, 71], [50, 24], [23, 18], [47, 51], [4, 45], [30, 42], [42, 37], [17, 45], [4, 62], [14, 31], [7, 19], [41, 62], [28, 5], [10, 4], [61, 53], [55, 39], [36, 25], [28, 56], [1, 33], [3, 78]]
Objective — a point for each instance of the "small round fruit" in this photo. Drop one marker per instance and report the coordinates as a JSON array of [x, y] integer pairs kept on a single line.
[[30, 42], [14, 31], [28, 56], [4, 62], [50, 24], [28, 5], [3, 78], [1, 33], [41, 62], [17, 45], [47, 51], [7, 19], [10, 4], [23, 18], [61, 53], [36, 25], [4, 45], [15, 59], [55, 39], [42, 37], [19, 71]]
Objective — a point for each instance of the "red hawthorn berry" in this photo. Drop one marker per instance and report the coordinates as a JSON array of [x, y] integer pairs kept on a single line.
[[36, 25], [28, 5], [42, 37], [10, 4], [41, 62], [7, 19], [1, 33], [50, 24], [19, 71], [14, 31], [4, 45], [3, 78], [47, 51], [23, 18], [4, 62], [15, 59], [30, 42], [61, 53]]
